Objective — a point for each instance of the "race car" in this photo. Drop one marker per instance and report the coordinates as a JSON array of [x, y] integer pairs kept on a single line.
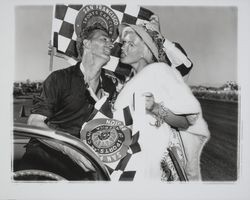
[[82, 154]]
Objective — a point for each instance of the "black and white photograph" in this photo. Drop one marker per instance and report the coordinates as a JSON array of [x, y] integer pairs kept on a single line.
[[149, 99]]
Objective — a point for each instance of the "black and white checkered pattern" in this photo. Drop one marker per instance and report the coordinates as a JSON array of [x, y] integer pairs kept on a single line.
[[173, 160], [118, 169], [64, 36]]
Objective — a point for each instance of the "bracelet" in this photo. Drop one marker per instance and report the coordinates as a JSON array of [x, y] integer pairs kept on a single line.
[[160, 111]]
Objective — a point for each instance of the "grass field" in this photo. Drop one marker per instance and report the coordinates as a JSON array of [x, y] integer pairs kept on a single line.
[[219, 158]]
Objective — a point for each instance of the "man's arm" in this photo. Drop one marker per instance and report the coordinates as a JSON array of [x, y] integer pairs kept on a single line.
[[44, 104], [37, 120]]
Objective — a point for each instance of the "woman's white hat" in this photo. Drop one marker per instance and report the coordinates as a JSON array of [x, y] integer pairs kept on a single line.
[[148, 35]]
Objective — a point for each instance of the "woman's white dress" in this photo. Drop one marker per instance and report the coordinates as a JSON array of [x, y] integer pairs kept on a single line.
[[168, 87]]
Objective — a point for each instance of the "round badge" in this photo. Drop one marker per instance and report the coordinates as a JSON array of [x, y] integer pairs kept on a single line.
[[109, 138], [102, 14]]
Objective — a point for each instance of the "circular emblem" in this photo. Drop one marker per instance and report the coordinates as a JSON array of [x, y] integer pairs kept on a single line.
[[92, 14], [109, 138]]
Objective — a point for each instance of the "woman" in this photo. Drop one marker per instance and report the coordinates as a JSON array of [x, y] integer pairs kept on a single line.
[[154, 81]]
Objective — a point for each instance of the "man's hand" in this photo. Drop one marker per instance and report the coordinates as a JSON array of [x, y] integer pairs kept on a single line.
[[37, 120]]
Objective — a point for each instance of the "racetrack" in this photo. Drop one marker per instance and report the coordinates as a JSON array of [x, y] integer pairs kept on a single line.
[[219, 157]]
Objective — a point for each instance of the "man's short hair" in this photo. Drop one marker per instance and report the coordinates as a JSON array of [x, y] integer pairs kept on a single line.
[[87, 33]]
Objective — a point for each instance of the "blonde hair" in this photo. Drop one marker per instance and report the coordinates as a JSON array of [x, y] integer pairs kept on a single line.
[[147, 54]]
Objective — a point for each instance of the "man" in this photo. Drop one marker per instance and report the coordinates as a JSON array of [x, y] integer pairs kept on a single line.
[[67, 101], [69, 94]]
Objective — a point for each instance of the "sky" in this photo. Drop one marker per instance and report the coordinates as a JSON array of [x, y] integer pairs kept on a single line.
[[208, 35]]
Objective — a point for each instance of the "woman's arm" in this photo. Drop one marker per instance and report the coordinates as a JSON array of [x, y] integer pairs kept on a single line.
[[162, 113], [177, 121]]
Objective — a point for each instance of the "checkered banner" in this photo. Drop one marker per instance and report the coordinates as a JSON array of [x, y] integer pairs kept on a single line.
[[117, 145], [69, 20], [113, 141]]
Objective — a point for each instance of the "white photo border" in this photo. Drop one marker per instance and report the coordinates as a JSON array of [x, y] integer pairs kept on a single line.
[[124, 190]]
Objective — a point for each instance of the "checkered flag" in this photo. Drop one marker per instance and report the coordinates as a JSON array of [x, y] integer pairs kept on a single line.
[[66, 24], [114, 154], [70, 19]]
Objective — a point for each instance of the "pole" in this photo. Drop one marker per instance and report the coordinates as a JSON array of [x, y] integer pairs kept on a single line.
[[51, 52]]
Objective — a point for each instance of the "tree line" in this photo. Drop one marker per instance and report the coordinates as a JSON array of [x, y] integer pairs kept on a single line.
[[227, 92]]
